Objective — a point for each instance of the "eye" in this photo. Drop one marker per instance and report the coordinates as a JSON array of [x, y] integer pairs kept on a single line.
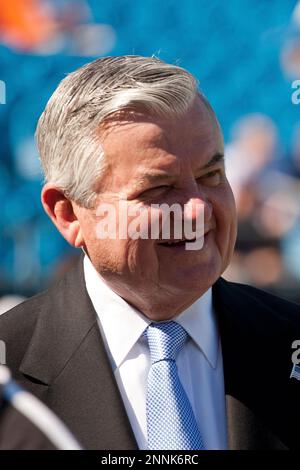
[[158, 188], [154, 191], [212, 178], [212, 173]]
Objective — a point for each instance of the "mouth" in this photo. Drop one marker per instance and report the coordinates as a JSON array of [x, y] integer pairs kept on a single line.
[[174, 243], [177, 244]]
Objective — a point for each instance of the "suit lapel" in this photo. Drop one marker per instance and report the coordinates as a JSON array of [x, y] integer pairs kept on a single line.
[[67, 366], [245, 431], [245, 377]]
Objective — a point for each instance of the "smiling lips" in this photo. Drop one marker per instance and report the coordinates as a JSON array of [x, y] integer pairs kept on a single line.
[[180, 242], [176, 242]]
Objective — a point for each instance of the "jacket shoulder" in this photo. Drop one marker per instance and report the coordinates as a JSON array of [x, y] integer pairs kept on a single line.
[[24, 314], [17, 325], [40, 315], [262, 301]]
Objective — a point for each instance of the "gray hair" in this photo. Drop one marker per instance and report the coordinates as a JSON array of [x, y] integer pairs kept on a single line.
[[68, 130]]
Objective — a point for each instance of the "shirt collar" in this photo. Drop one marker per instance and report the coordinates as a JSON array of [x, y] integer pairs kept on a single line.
[[123, 325], [199, 321]]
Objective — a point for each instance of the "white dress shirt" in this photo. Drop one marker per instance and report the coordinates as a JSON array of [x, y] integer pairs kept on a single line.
[[200, 365]]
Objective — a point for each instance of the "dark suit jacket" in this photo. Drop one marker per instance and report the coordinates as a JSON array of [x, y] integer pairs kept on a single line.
[[55, 350]]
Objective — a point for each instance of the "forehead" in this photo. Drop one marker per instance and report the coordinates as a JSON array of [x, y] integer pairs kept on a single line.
[[149, 143]]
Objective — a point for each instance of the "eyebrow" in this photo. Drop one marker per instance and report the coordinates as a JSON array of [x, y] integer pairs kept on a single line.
[[154, 178], [218, 157]]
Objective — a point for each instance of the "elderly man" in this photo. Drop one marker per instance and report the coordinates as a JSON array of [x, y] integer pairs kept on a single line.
[[143, 345]]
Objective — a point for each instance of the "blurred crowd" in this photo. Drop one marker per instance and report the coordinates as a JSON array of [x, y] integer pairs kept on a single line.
[[247, 77], [266, 185], [53, 26]]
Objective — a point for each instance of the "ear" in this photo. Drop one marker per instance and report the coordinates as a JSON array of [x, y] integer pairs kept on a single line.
[[61, 211]]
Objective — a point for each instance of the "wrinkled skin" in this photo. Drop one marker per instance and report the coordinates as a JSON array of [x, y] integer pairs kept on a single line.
[[159, 280]]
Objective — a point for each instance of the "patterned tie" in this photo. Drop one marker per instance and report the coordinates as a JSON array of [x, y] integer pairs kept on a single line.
[[171, 423]]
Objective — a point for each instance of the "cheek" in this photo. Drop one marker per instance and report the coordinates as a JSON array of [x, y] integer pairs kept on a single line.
[[105, 253], [134, 258], [122, 256], [89, 235], [226, 219], [141, 258]]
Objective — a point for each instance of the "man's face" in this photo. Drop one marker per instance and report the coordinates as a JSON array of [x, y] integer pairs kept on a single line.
[[155, 161]]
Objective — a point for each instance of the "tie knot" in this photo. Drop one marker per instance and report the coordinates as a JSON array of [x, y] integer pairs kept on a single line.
[[165, 340]]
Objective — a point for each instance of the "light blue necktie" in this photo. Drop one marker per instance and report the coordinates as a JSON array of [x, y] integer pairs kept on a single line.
[[171, 423]]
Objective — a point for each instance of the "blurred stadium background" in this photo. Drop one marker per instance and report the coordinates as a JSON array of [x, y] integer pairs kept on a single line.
[[245, 53]]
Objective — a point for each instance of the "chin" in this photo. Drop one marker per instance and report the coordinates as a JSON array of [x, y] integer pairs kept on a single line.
[[165, 316], [196, 278]]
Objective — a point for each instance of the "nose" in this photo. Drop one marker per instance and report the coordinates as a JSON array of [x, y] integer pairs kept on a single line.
[[195, 198], [196, 210], [195, 207]]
